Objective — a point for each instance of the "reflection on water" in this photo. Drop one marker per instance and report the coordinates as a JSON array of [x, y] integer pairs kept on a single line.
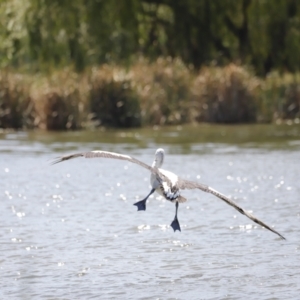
[[180, 140], [70, 231]]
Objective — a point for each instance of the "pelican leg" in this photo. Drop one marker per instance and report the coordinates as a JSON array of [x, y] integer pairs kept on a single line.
[[175, 224], [141, 205]]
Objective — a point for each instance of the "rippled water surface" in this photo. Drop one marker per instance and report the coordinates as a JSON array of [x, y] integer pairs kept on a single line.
[[70, 231]]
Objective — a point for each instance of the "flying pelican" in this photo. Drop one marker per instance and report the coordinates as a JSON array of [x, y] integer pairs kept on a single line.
[[165, 183]]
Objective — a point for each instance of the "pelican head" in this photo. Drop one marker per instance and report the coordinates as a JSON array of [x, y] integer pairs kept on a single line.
[[159, 158]]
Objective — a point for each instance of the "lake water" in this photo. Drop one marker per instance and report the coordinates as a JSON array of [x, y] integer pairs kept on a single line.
[[70, 231]]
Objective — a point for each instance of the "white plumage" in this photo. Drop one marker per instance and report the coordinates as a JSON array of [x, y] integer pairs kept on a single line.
[[166, 184]]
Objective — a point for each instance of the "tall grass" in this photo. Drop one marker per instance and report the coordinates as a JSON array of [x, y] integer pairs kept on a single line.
[[58, 100], [279, 97], [225, 95], [164, 90], [147, 93], [17, 108], [112, 99]]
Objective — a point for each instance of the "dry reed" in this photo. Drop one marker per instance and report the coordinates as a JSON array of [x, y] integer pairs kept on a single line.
[[17, 109], [162, 92], [225, 95], [279, 97]]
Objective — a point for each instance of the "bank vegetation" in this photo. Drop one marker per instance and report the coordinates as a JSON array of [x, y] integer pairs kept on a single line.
[[163, 92], [88, 63]]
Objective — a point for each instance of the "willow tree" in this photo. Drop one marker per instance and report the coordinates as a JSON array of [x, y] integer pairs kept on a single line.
[[51, 33]]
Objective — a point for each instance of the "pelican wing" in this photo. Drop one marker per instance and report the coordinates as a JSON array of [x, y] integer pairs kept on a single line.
[[105, 154], [186, 184]]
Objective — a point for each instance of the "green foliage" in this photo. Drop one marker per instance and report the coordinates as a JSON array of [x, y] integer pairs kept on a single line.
[[44, 34]]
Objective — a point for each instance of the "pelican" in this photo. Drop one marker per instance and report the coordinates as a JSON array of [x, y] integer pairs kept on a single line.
[[165, 183]]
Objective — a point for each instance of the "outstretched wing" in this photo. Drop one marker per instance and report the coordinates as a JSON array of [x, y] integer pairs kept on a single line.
[[106, 154], [186, 184]]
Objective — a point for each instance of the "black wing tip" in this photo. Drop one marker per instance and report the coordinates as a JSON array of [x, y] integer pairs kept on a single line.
[[56, 161], [276, 232], [63, 158]]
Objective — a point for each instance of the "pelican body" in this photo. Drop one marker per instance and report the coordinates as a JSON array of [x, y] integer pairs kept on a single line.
[[166, 183], [166, 188]]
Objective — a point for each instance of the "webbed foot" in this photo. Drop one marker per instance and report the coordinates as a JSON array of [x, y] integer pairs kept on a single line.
[[175, 225], [141, 205]]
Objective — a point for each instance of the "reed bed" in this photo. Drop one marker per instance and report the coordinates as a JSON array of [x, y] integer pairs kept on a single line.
[[164, 90], [111, 97], [225, 95], [279, 98], [59, 101], [17, 108], [147, 93]]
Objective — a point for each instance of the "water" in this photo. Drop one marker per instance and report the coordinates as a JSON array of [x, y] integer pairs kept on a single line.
[[70, 231]]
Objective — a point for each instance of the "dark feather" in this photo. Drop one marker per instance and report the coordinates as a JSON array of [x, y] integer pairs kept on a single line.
[[186, 184]]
